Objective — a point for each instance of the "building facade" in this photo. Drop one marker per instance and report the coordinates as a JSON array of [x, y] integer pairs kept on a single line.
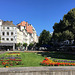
[[8, 35], [28, 31], [11, 34]]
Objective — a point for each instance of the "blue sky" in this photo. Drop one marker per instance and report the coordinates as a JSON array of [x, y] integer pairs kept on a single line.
[[42, 14]]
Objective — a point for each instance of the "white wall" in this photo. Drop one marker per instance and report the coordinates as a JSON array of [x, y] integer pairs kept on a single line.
[[11, 29], [19, 36]]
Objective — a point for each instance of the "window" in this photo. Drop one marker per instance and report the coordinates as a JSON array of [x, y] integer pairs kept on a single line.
[[11, 39], [3, 39], [11, 33], [7, 27], [7, 33], [3, 33], [7, 38]]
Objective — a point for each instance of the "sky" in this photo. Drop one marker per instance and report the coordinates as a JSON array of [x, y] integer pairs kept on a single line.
[[42, 14]]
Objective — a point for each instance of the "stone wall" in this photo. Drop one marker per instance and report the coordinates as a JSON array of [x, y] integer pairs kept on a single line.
[[59, 70]]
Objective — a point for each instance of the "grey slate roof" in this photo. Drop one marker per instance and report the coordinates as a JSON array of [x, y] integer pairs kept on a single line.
[[8, 23]]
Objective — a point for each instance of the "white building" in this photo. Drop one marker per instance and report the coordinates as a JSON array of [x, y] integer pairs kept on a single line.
[[27, 33], [8, 35]]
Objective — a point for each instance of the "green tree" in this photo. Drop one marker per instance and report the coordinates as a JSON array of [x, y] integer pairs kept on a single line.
[[67, 35], [25, 45], [0, 39], [30, 45], [45, 37], [65, 29], [18, 44]]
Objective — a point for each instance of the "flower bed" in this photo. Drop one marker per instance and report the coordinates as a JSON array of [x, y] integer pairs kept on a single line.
[[13, 53], [49, 62], [9, 60]]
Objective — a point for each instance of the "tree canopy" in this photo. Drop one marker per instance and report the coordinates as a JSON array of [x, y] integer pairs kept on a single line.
[[65, 29], [25, 44], [45, 37]]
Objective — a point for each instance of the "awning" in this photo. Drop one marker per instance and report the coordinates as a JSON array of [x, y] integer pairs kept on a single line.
[[6, 44]]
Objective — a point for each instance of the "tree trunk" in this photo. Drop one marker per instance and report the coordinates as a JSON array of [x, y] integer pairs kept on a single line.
[[74, 39]]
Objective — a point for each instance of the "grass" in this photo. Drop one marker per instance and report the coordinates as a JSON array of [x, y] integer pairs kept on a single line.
[[31, 59], [34, 59], [28, 59], [59, 55]]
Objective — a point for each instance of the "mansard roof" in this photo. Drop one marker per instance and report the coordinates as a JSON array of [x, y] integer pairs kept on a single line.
[[8, 23]]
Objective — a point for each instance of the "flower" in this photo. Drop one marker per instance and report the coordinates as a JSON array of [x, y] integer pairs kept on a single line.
[[7, 66], [49, 62]]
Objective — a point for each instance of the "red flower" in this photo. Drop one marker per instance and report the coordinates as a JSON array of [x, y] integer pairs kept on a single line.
[[58, 64], [3, 63]]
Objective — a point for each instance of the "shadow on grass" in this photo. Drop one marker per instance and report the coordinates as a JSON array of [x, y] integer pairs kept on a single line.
[[58, 55]]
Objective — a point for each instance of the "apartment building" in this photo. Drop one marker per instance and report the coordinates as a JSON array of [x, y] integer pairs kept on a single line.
[[11, 34], [29, 33], [8, 35]]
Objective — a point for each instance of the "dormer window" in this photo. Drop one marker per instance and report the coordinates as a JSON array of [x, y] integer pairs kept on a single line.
[[7, 27]]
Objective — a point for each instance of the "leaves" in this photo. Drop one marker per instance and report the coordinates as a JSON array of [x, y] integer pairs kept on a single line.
[[65, 29], [45, 37]]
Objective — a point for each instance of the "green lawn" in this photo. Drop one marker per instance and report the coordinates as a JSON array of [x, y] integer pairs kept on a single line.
[[34, 59], [31, 59], [59, 55], [28, 59]]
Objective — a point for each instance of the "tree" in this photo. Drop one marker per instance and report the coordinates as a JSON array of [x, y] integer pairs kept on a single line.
[[18, 44], [45, 37], [30, 45], [25, 45], [67, 35], [65, 29], [0, 39]]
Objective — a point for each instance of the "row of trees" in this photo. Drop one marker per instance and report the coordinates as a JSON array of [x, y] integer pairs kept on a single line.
[[65, 29], [18, 45], [44, 39]]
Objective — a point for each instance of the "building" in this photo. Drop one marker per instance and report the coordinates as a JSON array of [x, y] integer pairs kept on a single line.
[[8, 35], [28, 32], [11, 34]]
